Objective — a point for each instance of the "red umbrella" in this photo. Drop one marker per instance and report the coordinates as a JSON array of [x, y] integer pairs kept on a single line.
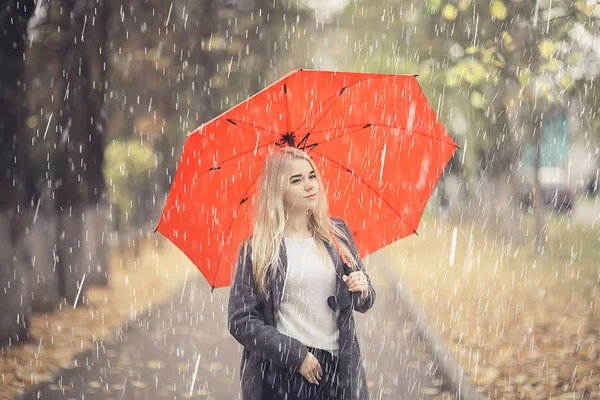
[[374, 137]]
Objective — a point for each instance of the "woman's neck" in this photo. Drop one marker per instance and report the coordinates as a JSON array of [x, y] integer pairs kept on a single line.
[[297, 226]]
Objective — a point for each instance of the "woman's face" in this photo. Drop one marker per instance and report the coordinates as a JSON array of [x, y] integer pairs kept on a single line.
[[302, 186]]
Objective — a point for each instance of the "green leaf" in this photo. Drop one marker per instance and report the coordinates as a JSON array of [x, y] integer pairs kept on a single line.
[[574, 58], [427, 67], [488, 55], [434, 6], [524, 76], [453, 77]]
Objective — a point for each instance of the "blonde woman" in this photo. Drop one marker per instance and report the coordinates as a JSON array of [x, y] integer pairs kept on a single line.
[[297, 281]]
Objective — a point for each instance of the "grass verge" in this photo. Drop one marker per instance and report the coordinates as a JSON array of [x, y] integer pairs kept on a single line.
[[523, 327]]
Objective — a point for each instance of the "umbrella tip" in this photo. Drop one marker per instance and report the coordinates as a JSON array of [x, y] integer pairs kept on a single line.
[[457, 146], [415, 232], [213, 289], [155, 229]]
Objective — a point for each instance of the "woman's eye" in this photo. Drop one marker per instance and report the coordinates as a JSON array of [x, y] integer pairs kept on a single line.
[[298, 180]]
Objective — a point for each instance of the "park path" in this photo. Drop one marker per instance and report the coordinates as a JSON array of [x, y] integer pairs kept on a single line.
[[185, 342]]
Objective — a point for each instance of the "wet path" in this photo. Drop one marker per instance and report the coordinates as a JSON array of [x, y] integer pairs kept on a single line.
[[185, 343]]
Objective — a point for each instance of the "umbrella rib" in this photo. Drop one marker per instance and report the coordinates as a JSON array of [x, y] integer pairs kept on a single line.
[[236, 122], [246, 197], [368, 186], [340, 127], [331, 100], [335, 97], [287, 107], [418, 133], [382, 126], [239, 155]]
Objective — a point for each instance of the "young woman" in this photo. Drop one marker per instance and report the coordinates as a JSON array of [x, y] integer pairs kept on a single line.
[[291, 301]]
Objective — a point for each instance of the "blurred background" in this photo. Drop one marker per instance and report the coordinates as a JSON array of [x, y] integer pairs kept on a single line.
[[97, 97]]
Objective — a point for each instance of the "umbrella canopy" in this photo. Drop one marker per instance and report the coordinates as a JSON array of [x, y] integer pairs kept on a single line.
[[374, 137]]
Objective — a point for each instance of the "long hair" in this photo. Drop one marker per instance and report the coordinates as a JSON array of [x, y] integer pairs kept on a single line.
[[270, 217]]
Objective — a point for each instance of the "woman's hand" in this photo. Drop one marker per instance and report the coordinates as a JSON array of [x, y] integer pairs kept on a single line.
[[357, 282], [311, 369]]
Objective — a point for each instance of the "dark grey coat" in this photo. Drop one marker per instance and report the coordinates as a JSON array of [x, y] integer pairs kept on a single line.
[[252, 322]]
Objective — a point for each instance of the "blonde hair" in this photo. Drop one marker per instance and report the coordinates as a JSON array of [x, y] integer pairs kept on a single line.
[[269, 217]]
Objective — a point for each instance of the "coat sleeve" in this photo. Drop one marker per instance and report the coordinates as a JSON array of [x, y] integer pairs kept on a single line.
[[364, 305], [246, 322]]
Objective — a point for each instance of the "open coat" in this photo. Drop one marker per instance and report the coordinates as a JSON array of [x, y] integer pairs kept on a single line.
[[252, 322]]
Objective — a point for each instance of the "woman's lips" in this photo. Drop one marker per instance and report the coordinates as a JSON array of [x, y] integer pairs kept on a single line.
[[312, 196]]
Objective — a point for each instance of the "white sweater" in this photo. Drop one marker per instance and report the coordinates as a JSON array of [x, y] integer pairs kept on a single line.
[[304, 313]]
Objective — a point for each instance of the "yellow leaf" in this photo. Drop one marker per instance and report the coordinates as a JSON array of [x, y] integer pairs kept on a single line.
[[587, 9], [547, 48], [507, 41], [463, 4], [215, 365], [138, 384], [524, 76], [566, 81], [499, 10], [216, 42], [449, 12], [500, 61], [477, 99], [235, 47], [510, 102], [95, 385], [32, 121], [154, 365], [551, 66], [462, 68], [471, 50], [489, 376], [475, 72]]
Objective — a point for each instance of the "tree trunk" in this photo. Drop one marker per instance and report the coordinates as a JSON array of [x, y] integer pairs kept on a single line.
[[14, 265], [79, 182], [498, 195], [539, 242]]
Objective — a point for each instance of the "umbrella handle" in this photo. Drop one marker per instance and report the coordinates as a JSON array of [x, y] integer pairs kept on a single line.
[[347, 271], [355, 295]]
